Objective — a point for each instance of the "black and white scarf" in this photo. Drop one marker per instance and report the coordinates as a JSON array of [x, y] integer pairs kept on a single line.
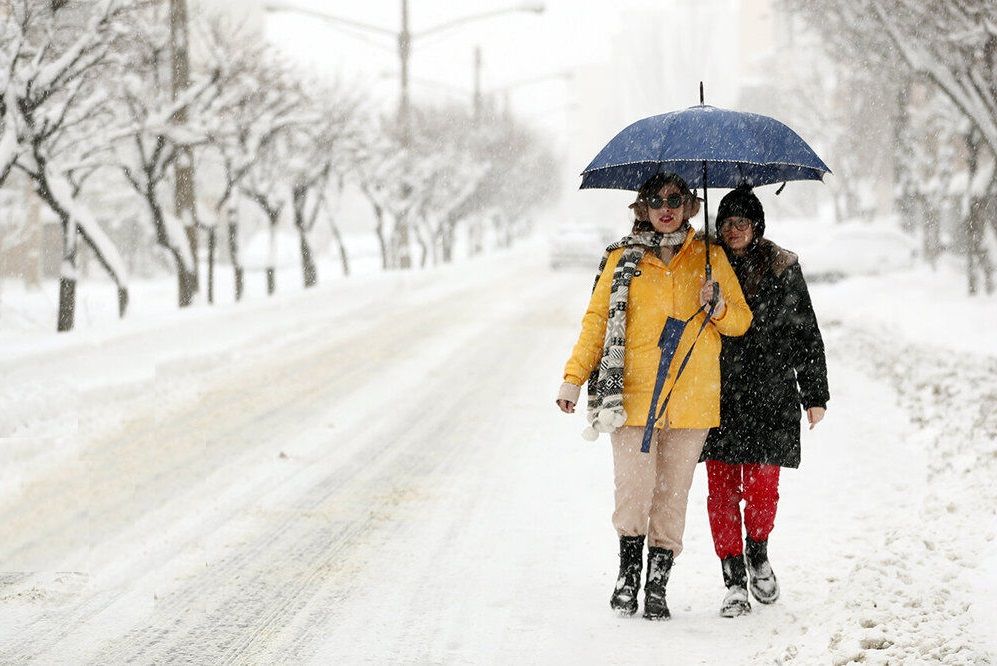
[[605, 385]]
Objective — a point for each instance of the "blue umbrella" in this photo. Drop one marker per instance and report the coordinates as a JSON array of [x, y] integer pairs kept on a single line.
[[739, 148], [708, 147]]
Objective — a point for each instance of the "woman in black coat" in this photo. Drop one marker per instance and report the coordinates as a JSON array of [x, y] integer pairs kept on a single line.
[[766, 375]]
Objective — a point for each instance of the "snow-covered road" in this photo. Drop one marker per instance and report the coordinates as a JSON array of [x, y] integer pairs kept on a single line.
[[375, 473]]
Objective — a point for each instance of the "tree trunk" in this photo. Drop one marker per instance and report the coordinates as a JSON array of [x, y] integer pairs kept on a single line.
[[308, 270], [71, 233], [67, 304], [449, 234], [186, 282], [978, 262], [382, 241], [401, 244], [975, 252], [970, 261], [239, 282], [903, 156], [420, 238], [343, 258], [67, 278], [932, 245], [211, 264], [272, 259], [379, 228], [233, 248]]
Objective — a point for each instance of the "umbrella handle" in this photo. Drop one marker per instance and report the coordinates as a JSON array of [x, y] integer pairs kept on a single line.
[[706, 229], [716, 287]]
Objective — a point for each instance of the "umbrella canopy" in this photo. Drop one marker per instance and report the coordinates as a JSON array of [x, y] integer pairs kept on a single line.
[[739, 148]]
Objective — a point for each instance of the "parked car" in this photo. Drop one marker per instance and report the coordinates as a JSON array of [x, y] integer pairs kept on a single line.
[[834, 252]]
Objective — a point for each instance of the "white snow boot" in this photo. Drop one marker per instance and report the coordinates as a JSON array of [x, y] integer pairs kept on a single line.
[[764, 585], [735, 603]]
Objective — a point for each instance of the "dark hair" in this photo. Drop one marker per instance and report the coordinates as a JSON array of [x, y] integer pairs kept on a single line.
[[652, 186]]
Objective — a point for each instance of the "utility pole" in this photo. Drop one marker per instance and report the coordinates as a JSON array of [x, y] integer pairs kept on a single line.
[[404, 49], [477, 84], [402, 245], [184, 167]]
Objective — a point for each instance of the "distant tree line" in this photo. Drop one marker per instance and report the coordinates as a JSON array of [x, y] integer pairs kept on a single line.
[[91, 104]]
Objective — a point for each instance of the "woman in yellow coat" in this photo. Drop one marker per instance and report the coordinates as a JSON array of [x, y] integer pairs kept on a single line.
[[656, 272]]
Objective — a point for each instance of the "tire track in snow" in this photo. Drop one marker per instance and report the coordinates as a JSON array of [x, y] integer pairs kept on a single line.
[[435, 322], [187, 469], [302, 400], [382, 478], [186, 438]]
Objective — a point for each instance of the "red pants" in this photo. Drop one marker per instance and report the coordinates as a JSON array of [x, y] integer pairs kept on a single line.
[[758, 486]]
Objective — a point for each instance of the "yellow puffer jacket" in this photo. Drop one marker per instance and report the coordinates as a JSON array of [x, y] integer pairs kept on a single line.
[[660, 291]]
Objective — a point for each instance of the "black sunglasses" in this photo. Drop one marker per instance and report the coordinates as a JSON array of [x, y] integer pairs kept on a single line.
[[673, 200]]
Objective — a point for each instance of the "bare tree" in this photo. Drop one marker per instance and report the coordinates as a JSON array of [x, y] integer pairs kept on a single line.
[[251, 113], [53, 96], [315, 150], [378, 166], [449, 178], [150, 139], [948, 48], [266, 185]]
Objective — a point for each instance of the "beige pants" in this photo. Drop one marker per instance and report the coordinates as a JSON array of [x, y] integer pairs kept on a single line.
[[652, 489]]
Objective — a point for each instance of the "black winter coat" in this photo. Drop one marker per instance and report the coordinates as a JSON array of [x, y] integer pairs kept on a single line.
[[773, 369]]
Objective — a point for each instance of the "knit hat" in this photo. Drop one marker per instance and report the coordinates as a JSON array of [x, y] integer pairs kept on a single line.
[[742, 202]]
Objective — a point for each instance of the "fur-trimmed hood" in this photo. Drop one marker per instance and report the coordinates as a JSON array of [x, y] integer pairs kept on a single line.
[[762, 256]]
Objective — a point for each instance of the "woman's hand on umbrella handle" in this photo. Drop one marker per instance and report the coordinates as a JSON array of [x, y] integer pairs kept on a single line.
[[815, 415], [566, 406], [706, 291]]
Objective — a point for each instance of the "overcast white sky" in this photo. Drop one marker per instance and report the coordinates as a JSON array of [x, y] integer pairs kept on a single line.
[[515, 46], [693, 39]]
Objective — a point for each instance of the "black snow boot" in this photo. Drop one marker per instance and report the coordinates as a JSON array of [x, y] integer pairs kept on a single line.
[[624, 599], [735, 602], [659, 566], [763, 583]]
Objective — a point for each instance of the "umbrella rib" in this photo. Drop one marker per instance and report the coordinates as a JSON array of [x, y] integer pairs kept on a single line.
[[691, 159]]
